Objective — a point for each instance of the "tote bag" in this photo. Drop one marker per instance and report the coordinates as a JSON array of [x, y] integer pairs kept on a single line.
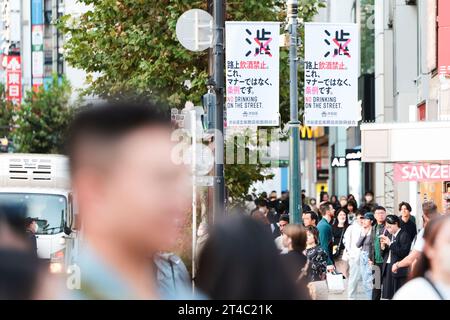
[[335, 282]]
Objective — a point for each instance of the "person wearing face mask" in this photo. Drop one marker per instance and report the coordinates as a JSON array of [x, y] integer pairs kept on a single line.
[[343, 201], [31, 228], [369, 203], [376, 254], [430, 279]]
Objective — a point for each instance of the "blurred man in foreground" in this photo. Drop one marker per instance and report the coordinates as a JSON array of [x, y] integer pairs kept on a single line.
[[122, 172]]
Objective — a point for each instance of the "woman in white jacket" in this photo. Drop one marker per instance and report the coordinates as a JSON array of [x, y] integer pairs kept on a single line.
[[351, 254]]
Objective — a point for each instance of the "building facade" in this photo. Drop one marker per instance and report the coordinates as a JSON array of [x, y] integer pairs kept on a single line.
[[29, 31], [347, 173], [412, 104]]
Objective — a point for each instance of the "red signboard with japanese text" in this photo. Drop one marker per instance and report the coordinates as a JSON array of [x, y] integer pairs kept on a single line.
[[13, 79]]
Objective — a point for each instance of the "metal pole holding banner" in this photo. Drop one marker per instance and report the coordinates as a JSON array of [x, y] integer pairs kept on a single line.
[[295, 207], [219, 65], [193, 119]]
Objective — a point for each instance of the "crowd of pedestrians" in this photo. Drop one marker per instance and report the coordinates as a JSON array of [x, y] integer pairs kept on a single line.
[[129, 229], [376, 252]]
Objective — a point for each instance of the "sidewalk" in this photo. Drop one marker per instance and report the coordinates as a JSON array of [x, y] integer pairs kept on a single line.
[[342, 295]]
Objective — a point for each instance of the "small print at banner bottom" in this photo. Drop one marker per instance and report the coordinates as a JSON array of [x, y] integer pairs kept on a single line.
[[252, 73], [331, 74]]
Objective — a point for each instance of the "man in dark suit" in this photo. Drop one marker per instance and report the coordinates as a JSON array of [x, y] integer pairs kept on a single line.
[[395, 247]]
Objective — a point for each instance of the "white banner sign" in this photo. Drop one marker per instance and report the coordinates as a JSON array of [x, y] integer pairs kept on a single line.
[[38, 64], [252, 73], [331, 74], [37, 36]]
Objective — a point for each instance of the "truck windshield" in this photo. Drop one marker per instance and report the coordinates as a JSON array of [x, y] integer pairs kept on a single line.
[[48, 209]]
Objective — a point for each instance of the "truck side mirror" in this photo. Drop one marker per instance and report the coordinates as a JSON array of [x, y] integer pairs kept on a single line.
[[67, 230]]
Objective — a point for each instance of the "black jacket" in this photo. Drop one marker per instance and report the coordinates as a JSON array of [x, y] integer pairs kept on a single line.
[[276, 230], [399, 249], [410, 228], [294, 262]]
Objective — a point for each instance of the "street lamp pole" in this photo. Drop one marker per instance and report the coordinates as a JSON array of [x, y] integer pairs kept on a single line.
[[219, 63], [295, 207]]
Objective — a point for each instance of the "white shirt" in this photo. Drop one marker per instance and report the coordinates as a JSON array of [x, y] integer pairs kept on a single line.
[[420, 242], [279, 244], [351, 237], [420, 289]]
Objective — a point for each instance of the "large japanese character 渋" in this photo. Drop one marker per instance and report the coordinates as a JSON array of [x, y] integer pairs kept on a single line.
[[262, 40], [341, 40]]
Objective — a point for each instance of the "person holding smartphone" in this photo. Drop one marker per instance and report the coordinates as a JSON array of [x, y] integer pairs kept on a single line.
[[396, 247], [365, 242], [377, 252]]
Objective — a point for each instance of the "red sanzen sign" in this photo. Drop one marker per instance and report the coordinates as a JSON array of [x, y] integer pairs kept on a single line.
[[421, 172], [13, 79]]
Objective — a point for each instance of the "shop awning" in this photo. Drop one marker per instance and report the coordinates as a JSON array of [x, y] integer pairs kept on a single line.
[[406, 142]]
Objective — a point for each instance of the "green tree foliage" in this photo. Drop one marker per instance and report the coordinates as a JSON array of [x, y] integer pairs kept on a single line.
[[43, 118], [6, 113], [131, 47], [248, 146], [367, 36]]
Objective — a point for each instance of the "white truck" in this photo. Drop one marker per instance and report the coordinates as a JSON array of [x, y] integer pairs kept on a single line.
[[41, 183]]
